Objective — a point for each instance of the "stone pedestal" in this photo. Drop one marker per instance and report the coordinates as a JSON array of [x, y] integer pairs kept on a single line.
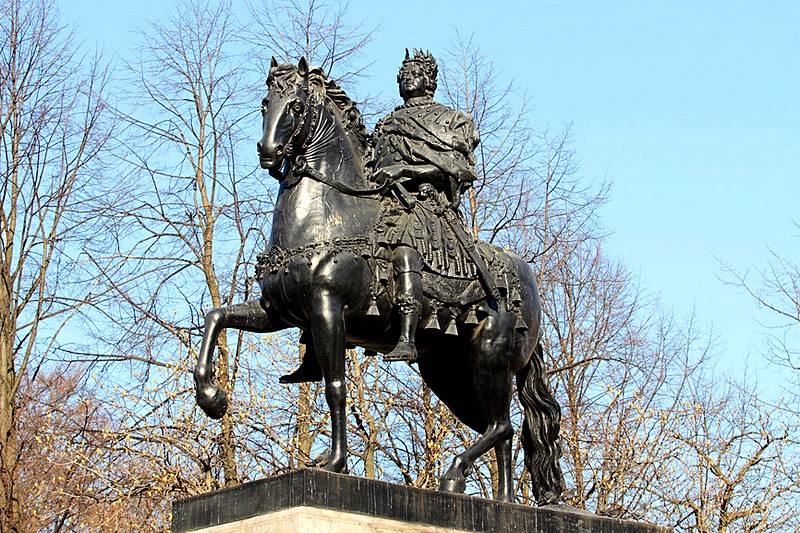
[[316, 501]]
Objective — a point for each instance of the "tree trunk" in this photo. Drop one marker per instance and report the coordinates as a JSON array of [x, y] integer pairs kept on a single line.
[[303, 436], [227, 445], [9, 507]]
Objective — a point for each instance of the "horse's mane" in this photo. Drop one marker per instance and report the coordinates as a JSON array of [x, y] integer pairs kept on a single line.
[[286, 77]]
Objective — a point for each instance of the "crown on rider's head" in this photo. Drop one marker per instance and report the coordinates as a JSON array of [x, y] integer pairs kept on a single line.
[[429, 68]]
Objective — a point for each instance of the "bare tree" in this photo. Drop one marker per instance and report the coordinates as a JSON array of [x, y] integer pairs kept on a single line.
[[761, 438], [729, 469], [187, 233], [318, 30], [72, 474], [777, 290], [51, 133]]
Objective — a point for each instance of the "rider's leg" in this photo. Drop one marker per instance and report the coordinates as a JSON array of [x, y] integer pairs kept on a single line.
[[407, 266], [309, 369]]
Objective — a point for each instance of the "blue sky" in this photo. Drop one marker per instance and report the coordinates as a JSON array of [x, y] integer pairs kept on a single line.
[[690, 109]]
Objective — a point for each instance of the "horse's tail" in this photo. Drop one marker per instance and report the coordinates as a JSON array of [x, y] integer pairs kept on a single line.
[[540, 430]]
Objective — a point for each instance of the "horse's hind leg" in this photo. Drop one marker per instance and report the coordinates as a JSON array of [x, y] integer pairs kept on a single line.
[[493, 384], [498, 435], [505, 471], [248, 316]]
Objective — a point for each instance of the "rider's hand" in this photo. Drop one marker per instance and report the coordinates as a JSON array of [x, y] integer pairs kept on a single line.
[[388, 174]]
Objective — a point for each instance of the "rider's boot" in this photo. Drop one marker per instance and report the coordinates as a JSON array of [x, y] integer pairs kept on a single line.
[[407, 267], [408, 307], [309, 369]]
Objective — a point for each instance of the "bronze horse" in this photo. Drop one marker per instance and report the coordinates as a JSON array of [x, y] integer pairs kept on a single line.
[[319, 276]]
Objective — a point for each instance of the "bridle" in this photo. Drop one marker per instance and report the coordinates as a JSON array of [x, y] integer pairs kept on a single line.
[[299, 166]]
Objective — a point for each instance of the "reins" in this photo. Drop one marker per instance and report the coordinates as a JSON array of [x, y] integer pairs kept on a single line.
[[300, 168]]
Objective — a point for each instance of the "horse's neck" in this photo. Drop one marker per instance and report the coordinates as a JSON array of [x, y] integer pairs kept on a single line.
[[310, 211], [327, 146], [334, 152]]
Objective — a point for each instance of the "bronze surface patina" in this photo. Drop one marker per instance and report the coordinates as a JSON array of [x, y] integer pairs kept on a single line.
[[368, 249]]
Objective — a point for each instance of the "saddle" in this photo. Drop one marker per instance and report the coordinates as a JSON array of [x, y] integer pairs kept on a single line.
[[456, 294]]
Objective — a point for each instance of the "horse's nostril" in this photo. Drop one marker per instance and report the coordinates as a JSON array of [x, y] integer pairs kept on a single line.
[[258, 146]]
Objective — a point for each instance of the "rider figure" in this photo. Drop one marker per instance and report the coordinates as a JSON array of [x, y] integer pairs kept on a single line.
[[425, 151]]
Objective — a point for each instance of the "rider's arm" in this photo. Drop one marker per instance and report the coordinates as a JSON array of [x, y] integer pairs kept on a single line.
[[416, 173]]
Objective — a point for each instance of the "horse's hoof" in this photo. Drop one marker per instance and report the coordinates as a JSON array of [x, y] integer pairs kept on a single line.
[[455, 484], [552, 497], [508, 498], [212, 400], [335, 465], [320, 460], [323, 462]]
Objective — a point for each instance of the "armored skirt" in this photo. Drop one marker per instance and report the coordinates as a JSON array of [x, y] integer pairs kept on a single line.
[[421, 228]]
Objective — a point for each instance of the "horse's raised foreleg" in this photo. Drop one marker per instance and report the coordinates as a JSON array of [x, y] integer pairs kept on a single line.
[[247, 316], [328, 332]]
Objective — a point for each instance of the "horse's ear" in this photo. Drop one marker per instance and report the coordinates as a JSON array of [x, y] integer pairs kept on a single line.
[[407, 57], [273, 63], [302, 67]]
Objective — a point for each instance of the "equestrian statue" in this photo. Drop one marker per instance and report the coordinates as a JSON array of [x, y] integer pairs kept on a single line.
[[368, 248]]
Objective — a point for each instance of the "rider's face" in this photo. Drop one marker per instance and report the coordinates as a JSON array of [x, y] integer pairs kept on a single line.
[[412, 80]]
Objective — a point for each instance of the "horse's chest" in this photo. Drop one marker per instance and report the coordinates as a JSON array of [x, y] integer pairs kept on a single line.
[[292, 279], [295, 283]]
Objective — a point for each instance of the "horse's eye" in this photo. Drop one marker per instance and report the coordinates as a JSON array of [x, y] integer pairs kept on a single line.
[[297, 107], [264, 105]]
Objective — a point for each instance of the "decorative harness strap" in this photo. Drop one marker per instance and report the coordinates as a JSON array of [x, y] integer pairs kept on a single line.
[[277, 258]]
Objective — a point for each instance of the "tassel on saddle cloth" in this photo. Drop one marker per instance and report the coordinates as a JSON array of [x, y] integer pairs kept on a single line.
[[464, 292]]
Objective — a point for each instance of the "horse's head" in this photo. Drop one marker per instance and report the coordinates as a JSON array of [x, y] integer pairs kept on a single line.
[[286, 114]]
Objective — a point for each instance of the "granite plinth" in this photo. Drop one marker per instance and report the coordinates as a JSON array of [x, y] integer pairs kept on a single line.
[[313, 500]]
